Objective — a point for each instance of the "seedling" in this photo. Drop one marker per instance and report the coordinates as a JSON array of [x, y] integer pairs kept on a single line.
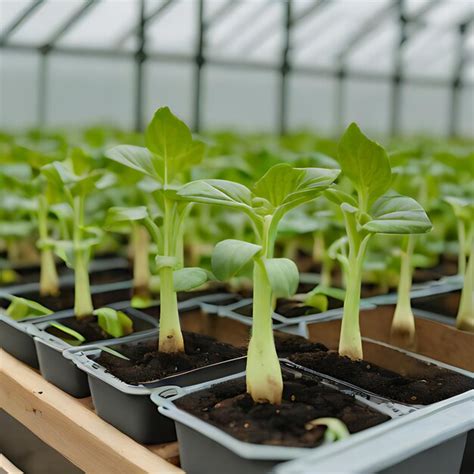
[[371, 211], [169, 155], [281, 189]]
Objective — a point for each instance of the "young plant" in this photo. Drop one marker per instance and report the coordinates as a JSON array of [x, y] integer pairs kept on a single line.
[[371, 211], [281, 189], [75, 179], [464, 211], [124, 219], [169, 155]]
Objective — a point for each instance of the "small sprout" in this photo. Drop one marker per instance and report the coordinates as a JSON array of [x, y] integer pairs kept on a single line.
[[335, 428], [114, 323], [114, 353], [77, 338], [21, 308]]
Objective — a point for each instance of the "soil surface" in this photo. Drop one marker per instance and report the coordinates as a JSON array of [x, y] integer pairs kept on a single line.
[[66, 299], [291, 308], [147, 363], [89, 328], [438, 383], [230, 408]]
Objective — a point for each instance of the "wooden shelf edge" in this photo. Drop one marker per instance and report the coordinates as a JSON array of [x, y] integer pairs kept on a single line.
[[72, 428], [8, 466]]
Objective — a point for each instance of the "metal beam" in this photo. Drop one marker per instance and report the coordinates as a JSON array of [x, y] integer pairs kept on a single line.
[[70, 22], [198, 70], [19, 20], [284, 71], [139, 60], [135, 30], [42, 91]]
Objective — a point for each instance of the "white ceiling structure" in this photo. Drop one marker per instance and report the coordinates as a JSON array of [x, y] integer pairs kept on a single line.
[[364, 38]]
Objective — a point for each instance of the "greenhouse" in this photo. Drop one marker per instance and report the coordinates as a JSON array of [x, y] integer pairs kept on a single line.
[[236, 236]]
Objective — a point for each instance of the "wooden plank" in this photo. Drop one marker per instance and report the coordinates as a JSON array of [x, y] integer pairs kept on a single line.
[[72, 428], [7, 466]]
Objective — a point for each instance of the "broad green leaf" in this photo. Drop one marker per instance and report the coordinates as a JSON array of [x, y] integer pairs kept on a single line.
[[217, 191], [137, 158], [58, 174], [365, 163], [230, 256], [117, 216], [21, 308], [186, 279], [81, 162], [283, 185], [170, 139], [113, 322], [396, 214], [77, 338], [283, 276]]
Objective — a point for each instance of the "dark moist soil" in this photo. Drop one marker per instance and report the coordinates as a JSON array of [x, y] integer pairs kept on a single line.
[[291, 308], [66, 299], [87, 327], [438, 383], [230, 408], [147, 364]]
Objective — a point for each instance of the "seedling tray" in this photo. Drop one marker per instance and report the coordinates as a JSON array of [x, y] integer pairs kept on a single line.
[[59, 370], [128, 407], [16, 337], [231, 455]]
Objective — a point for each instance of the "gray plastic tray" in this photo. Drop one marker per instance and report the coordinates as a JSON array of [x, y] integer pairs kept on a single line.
[[233, 456], [128, 407]]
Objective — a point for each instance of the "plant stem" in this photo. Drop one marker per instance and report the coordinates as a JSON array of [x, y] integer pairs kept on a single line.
[[264, 379], [318, 246], [403, 323], [462, 248], [141, 267], [465, 316], [49, 282], [171, 338], [350, 342], [82, 293]]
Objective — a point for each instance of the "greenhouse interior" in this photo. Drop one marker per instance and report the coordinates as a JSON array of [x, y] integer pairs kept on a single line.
[[237, 236]]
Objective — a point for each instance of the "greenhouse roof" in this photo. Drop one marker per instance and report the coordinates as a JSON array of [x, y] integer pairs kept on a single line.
[[429, 40]]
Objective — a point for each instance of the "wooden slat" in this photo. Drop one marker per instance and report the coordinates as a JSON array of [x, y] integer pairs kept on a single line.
[[72, 428]]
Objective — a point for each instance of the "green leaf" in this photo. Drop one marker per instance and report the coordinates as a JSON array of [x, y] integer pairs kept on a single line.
[[115, 323], [283, 276], [117, 216], [283, 185], [339, 197], [335, 428], [77, 338], [317, 301], [170, 139], [230, 256], [137, 158], [396, 214], [217, 191], [365, 163], [113, 352], [463, 207], [21, 308], [186, 279]]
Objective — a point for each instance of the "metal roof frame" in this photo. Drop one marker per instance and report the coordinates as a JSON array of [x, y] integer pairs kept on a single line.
[[284, 68]]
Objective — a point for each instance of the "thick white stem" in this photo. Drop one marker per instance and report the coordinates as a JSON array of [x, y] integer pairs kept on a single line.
[[465, 317]]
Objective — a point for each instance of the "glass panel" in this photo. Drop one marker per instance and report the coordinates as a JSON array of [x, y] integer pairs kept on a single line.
[[240, 99], [19, 73], [467, 109], [10, 10], [103, 25], [77, 97], [176, 29], [45, 21]]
